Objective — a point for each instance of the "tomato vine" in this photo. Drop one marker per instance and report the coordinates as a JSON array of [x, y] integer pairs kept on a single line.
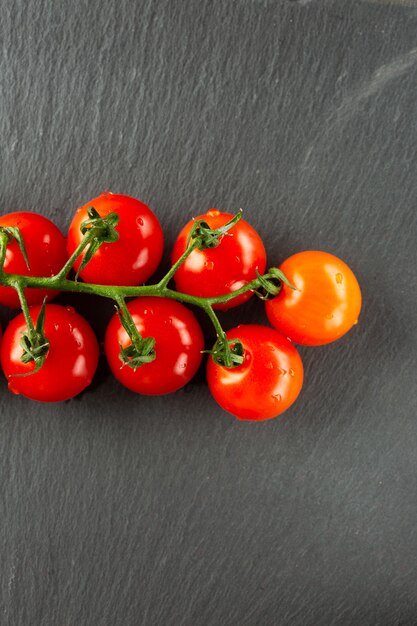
[[266, 366]]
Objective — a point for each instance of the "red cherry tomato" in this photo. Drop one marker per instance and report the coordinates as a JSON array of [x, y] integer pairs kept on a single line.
[[135, 256], [325, 305], [69, 365], [224, 269], [266, 383], [179, 343], [46, 250]]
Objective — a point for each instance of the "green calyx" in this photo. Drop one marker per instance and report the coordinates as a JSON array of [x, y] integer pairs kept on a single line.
[[136, 355], [13, 233], [270, 284], [202, 236], [34, 343], [98, 230], [227, 352]]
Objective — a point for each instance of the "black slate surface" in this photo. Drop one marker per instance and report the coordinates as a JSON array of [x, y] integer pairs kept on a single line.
[[123, 510]]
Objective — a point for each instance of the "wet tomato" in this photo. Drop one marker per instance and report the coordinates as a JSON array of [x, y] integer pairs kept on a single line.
[[46, 250], [325, 304], [224, 269], [69, 365], [135, 256], [266, 383], [179, 343]]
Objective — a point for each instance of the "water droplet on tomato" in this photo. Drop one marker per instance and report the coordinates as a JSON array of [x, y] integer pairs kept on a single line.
[[329, 316], [269, 365], [139, 222], [209, 265], [276, 397], [237, 258], [339, 278], [291, 372]]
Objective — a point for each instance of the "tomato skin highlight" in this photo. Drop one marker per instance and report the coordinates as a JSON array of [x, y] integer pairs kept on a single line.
[[325, 305], [71, 361], [266, 383], [224, 269], [46, 249], [135, 256], [179, 345]]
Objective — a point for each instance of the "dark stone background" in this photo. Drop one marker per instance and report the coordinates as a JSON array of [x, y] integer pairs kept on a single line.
[[123, 510]]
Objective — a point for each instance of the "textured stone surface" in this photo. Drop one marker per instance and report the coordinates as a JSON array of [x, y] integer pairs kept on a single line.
[[120, 510]]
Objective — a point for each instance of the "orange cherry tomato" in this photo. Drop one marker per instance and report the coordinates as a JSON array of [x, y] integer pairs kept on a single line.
[[325, 304]]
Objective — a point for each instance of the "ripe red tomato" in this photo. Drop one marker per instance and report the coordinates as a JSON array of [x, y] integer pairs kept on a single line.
[[69, 365], [179, 345], [224, 269], [266, 383], [325, 304], [135, 256], [46, 251]]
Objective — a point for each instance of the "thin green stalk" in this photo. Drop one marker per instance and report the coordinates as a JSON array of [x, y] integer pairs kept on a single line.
[[165, 280], [62, 274], [133, 331], [25, 309], [221, 335], [4, 240]]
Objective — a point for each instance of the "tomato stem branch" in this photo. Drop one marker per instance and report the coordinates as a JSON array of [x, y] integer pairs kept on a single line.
[[98, 230], [25, 308], [129, 323], [165, 280], [62, 274], [141, 350], [4, 240], [221, 336]]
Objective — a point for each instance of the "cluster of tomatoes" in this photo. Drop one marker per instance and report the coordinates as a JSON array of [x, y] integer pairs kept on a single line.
[[318, 303]]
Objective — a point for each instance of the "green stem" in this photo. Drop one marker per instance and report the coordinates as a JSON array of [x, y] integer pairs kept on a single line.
[[25, 310], [115, 291], [133, 331], [165, 280], [251, 286], [4, 240], [62, 274], [221, 335]]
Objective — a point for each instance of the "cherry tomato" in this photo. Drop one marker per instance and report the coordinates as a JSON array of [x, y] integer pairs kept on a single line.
[[179, 345], [266, 383], [224, 269], [325, 304], [135, 256], [69, 365], [46, 251]]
